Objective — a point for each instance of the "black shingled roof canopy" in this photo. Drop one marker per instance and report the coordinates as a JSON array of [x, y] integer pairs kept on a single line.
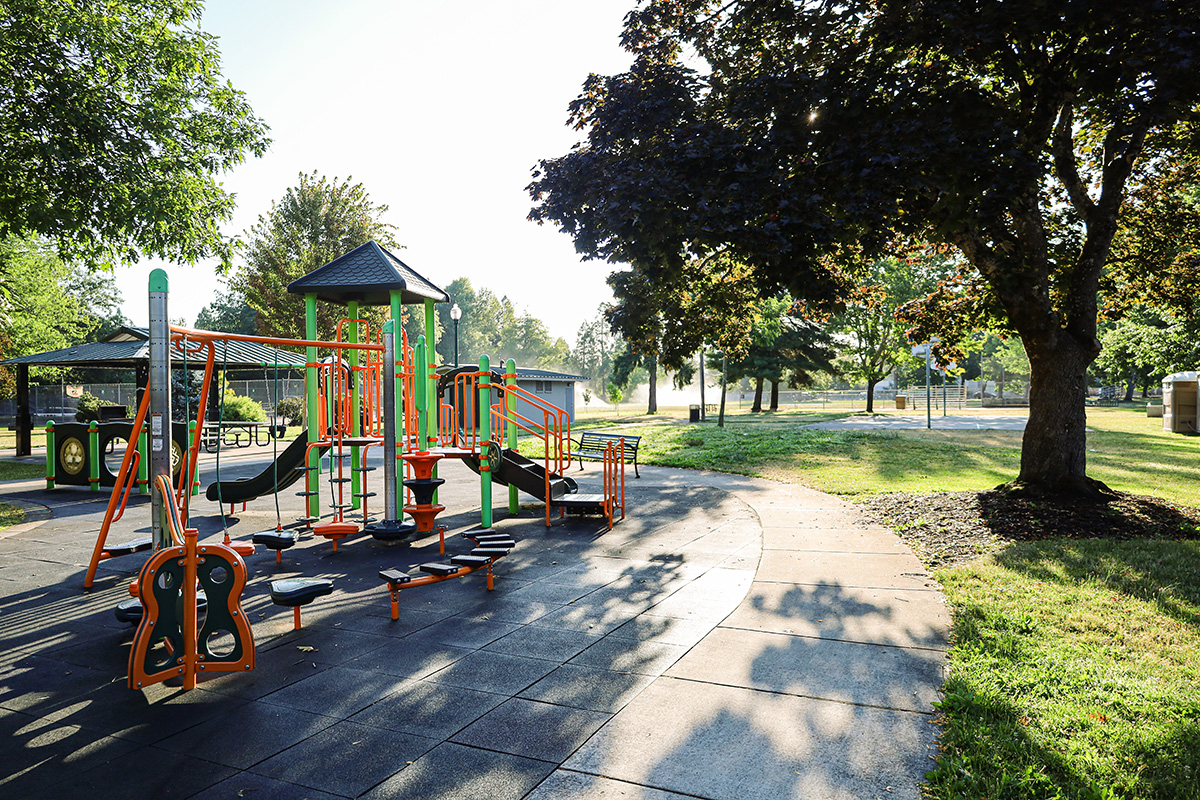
[[367, 274], [129, 347]]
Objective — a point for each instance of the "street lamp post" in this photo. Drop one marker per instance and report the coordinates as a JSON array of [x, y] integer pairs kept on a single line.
[[456, 315]]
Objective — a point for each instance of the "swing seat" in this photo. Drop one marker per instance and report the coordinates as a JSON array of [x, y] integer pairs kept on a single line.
[[129, 548], [299, 591], [276, 540], [335, 531]]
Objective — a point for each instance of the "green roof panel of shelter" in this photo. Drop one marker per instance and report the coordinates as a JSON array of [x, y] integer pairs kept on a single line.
[[130, 345], [367, 274]]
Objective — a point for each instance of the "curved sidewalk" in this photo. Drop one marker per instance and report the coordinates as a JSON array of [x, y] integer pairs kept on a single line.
[[818, 685]]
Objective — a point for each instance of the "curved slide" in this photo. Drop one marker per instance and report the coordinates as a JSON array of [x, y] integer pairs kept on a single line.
[[528, 476], [288, 466]]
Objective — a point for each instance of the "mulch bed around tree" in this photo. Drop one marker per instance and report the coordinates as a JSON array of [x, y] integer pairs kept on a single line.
[[953, 527]]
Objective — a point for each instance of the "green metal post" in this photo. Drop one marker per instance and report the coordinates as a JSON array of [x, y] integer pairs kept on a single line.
[[355, 400], [422, 399], [401, 433], [510, 380], [50, 453], [193, 474], [484, 405], [434, 404], [143, 472], [94, 455], [430, 373], [312, 406]]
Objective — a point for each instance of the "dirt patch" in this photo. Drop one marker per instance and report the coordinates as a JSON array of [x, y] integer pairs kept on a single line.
[[953, 527]]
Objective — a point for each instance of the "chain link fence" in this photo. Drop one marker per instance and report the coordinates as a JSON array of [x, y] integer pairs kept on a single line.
[[60, 402]]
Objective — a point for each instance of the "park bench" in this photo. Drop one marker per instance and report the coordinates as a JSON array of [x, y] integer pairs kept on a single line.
[[591, 446]]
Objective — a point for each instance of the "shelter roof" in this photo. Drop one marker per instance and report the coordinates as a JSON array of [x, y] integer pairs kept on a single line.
[[129, 346], [367, 274]]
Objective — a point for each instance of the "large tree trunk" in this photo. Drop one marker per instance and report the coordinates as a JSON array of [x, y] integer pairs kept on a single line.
[[1054, 448], [774, 395], [652, 405], [871, 384], [1129, 388], [758, 387]]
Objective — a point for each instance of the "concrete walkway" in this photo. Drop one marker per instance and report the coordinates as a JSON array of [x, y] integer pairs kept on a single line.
[[732, 638]]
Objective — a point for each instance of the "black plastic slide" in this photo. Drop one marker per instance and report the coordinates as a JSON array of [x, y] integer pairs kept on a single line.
[[288, 467], [528, 476]]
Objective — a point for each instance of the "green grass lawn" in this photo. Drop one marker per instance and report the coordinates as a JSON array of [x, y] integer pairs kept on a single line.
[[1074, 673], [1127, 450], [1075, 665], [10, 515]]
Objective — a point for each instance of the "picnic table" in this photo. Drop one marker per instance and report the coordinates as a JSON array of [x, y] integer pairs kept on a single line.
[[239, 434]]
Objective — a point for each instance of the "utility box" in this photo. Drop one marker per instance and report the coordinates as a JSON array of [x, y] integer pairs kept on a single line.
[[1179, 402]]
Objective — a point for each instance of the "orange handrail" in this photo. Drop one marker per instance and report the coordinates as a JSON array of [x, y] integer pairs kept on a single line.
[[122, 475]]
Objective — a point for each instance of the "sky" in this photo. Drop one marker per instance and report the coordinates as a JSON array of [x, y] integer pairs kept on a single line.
[[440, 110]]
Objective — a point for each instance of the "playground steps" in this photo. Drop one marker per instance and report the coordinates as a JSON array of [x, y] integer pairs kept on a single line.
[[492, 547], [581, 503]]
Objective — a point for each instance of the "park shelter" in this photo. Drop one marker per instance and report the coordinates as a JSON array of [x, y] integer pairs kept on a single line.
[[128, 347], [1179, 402]]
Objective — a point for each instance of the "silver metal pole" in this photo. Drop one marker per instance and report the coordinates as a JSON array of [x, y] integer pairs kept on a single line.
[[160, 400], [928, 392]]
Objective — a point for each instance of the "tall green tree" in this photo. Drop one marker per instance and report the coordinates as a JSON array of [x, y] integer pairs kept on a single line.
[[312, 224], [595, 348], [46, 305], [491, 325], [873, 342], [115, 124], [228, 312], [784, 346], [1011, 131]]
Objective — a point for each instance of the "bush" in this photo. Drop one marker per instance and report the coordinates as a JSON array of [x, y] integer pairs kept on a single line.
[[242, 409], [290, 410], [88, 408]]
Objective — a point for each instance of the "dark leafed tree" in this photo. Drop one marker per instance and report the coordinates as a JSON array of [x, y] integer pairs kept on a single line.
[[1011, 131], [315, 222], [114, 125], [227, 312]]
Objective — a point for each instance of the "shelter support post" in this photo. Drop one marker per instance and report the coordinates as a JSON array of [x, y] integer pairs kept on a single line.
[[24, 419], [312, 406]]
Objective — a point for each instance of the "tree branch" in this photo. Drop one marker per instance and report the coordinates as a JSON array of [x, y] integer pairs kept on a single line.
[[1063, 148]]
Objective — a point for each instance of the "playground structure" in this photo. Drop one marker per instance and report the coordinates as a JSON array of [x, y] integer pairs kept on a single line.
[[373, 390]]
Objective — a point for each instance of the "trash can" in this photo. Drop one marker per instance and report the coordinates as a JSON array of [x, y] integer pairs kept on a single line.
[[901, 401], [694, 414]]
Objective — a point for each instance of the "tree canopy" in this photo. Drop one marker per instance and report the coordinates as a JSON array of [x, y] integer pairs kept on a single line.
[[45, 305], [228, 312], [492, 325], [315, 222], [114, 124], [1011, 131]]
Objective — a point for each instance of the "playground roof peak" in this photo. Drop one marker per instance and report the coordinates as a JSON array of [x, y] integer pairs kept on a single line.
[[367, 274]]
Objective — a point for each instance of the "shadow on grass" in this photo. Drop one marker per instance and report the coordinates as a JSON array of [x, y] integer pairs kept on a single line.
[[1060, 687]]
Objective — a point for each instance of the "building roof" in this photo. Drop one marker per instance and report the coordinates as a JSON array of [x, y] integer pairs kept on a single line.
[[367, 274], [129, 346], [524, 374]]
